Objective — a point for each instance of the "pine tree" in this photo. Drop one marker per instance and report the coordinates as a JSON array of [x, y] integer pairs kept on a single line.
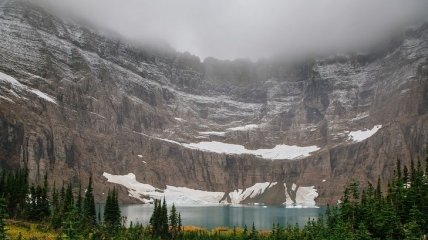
[[45, 207], [406, 176], [99, 214], [173, 219], [89, 212], [412, 171], [108, 209], [15, 189], [117, 214], [245, 232], [71, 224], [398, 171], [56, 209], [180, 225], [253, 234], [112, 213], [164, 220], [79, 201], [69, 199], [3, 215], [155, 218]]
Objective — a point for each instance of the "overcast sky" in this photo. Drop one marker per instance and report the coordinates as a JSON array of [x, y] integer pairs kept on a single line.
[[229, 29]]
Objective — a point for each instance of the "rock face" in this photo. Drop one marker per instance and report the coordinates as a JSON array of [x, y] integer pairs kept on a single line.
[[74, 102]]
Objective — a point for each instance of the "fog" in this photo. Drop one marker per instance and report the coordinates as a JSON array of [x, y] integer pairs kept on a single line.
[[229, 29]]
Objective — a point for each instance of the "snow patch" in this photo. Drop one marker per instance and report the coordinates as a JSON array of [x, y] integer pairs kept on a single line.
[[257, 189], [278, 152], [43, 95], [305, 197], [98, 115], [360, 116], [135, 188], [177, 195], [183, 196], [15, 83], [7, 99], [140, 156], [10, 79], [243, 128], [180, 119], [361, 135], [293, 187], [188, 196], [220, 134]]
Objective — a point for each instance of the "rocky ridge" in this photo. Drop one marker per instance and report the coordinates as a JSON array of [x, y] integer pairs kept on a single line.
[[74, 102]]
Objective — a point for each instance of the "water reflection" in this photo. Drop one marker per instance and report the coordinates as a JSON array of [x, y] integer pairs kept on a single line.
[[229, 216]]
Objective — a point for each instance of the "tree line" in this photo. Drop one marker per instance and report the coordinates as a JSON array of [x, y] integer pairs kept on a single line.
[[73, 214], [73, 217], [398, 212]]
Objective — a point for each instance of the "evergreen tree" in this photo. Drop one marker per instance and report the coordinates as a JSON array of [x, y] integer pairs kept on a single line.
[[112, 214], [253, 235], [79, 201], [3, 215], [45, 206], [56, 209], [173, 219], [99, 214], [245, 232], [68, 200], [164, 220], [70, 225], [180, 225], [14, 191], [155, 219], [405, 176], [89, 212]]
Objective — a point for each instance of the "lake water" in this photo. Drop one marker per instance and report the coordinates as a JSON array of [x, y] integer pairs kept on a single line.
[[229, 215]]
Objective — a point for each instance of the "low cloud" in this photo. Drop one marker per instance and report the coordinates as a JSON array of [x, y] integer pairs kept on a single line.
[[229, 29]]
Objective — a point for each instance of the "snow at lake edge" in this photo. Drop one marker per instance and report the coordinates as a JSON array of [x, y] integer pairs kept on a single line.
[[305, 197], [183, 196]]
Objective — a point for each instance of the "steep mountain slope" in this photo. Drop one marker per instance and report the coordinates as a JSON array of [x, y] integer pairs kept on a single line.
[[74, 102]]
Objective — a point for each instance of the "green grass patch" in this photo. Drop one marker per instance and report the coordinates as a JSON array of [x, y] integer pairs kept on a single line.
[[29, 230]]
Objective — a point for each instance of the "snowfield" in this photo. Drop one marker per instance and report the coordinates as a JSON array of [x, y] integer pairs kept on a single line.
[[361, 135], [146, 193], [134, 187], [17, 85], [183, 196], [257, 189], [305, 197], [278, 152]]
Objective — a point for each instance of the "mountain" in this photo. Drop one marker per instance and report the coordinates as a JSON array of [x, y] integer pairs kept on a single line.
[[76, 102]]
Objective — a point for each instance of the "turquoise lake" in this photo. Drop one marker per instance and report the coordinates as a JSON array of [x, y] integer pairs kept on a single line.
[[229, 215]]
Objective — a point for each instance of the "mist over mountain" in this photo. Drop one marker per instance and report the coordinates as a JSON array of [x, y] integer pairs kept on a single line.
[[250, 28]]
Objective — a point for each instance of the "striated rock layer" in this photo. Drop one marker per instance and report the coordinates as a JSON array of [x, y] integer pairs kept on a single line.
[[74, 102]]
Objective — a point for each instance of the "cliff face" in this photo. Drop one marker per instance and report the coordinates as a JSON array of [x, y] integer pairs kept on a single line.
[[74, 102]]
